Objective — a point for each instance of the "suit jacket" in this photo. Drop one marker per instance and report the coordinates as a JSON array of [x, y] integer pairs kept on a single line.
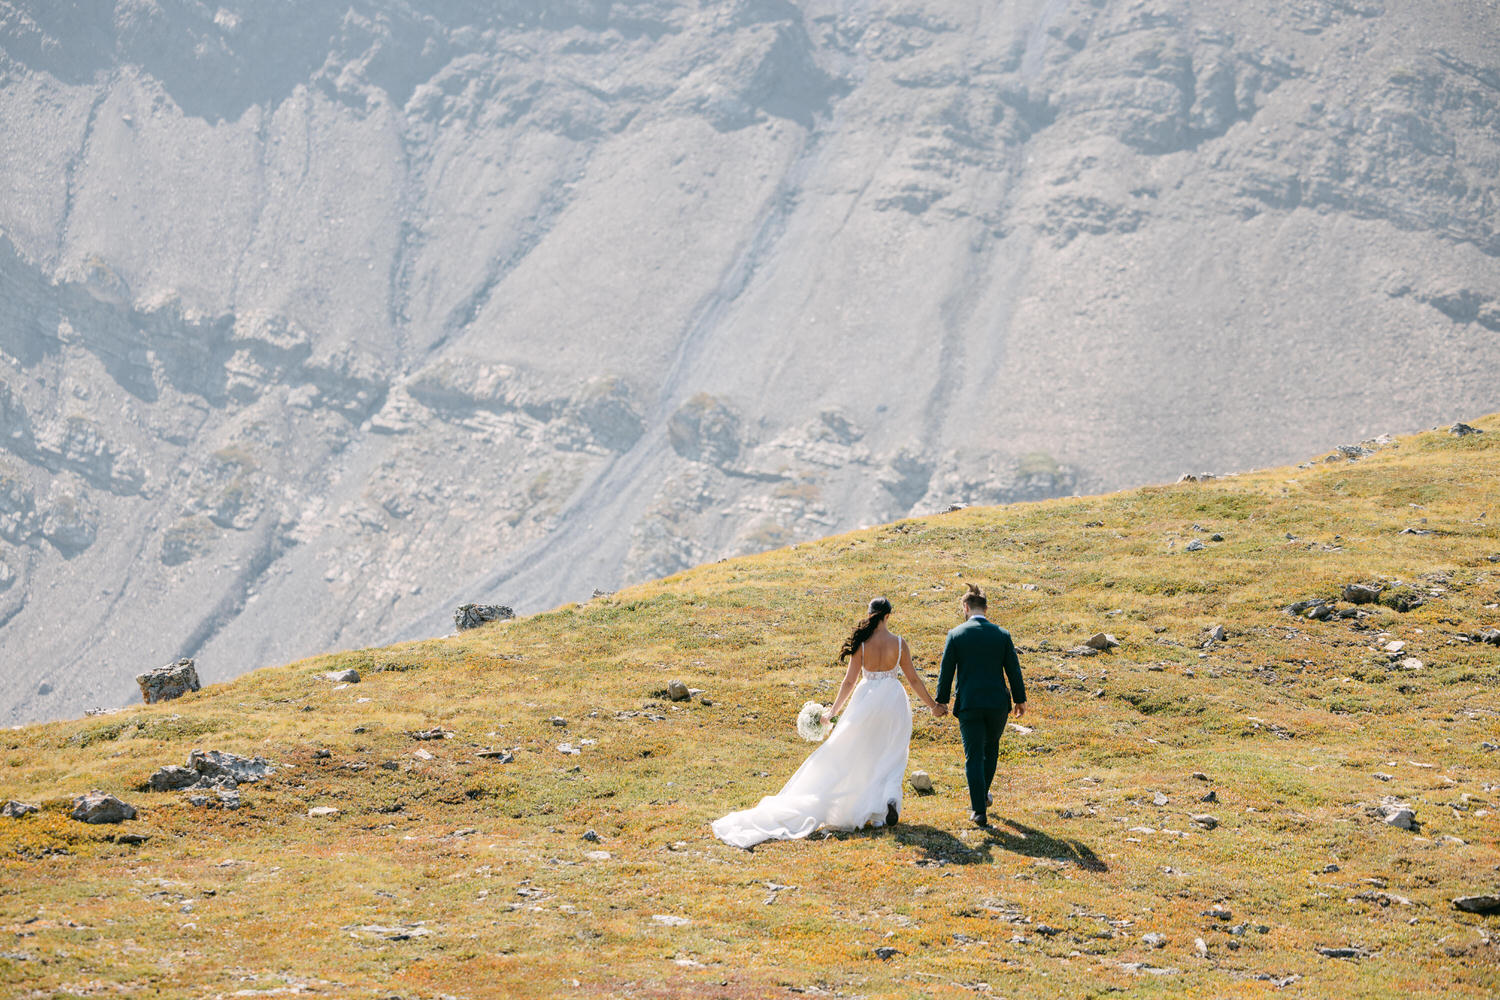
[[984, 658]]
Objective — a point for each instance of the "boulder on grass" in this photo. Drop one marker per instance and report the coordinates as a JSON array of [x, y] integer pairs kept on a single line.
[[1101, 641], [1479, 904], [172, 777], [469, 616], [15, 810], [221, 767], [1362, 593], [171, 681], [101, 807]]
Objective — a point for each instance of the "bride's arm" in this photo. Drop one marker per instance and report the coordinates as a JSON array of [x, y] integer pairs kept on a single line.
[[915, 680], [851, 676]]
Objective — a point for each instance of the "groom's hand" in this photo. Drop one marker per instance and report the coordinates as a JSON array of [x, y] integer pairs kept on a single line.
[[1020, 709], [939, 710]]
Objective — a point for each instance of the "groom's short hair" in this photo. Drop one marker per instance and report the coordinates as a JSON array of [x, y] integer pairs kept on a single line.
[[974, 600]]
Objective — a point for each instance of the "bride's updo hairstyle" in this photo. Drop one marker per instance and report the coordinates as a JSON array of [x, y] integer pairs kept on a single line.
[[879, 608], [974, 598]]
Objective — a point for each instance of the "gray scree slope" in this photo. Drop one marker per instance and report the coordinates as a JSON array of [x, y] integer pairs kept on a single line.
[[319, 318]]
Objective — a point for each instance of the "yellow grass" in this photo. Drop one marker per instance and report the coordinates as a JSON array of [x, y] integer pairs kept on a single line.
[[1289, 720]]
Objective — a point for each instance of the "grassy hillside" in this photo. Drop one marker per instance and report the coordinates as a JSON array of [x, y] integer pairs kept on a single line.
[[449, 873]]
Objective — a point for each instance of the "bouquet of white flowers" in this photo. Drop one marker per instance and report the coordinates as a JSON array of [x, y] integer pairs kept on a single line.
[[810, 725]]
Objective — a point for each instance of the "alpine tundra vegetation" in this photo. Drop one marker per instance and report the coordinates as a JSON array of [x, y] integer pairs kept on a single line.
[[1273, 774]]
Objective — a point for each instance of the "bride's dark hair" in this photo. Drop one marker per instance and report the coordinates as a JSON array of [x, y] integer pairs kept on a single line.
[[879, 608]]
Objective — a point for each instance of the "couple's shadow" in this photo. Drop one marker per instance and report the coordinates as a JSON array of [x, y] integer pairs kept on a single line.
[[1005, 835]]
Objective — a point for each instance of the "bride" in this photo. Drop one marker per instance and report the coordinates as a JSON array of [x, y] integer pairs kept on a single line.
[[855, 776]]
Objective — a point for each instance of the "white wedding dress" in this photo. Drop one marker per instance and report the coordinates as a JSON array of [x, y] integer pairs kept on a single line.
[[848, 781]]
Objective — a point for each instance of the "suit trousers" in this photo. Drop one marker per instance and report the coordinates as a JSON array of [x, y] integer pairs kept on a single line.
[[980, 729]]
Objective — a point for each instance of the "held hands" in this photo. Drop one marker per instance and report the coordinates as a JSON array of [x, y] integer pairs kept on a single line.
[[939, 710]]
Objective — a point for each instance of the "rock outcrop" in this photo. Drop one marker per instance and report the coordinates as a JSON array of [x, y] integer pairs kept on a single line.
[[101, 807], [171, 681], [468, 616]]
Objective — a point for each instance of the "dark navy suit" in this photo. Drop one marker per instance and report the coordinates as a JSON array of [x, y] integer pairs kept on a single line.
[[983, 657]]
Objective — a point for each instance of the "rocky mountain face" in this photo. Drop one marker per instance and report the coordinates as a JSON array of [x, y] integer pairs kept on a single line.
[[319, 318]]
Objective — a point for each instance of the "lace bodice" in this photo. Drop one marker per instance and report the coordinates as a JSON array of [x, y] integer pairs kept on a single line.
[[871, 675]]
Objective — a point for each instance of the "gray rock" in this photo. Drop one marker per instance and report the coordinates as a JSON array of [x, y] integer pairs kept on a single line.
[[1319, 612], [15, 810], [219, 766], [591, 836], [469, 616], [101, 807], [1212, 796], [1489, 635], [171, 681], [1159, 799], [319, 812], [558, 722], [1216, 537], [677, 691], [886, 954], [1101, 641], [1196, 545], [1154, 940], [1486, 904], [1218, 633], [1201, 947], [921, 781], [1402, 817], [1340, 952], [342, 676], [705, 429], [1362, 593], [1463, 430], [1205, 820], [172, 777]]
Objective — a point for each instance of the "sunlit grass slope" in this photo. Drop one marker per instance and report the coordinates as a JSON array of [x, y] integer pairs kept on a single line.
[[461, 875]]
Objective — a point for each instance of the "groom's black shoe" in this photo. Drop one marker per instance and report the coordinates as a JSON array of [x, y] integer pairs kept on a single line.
[[979, 819], [892, 817]]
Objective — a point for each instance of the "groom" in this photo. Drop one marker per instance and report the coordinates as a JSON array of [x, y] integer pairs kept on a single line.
[[984, 658]]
